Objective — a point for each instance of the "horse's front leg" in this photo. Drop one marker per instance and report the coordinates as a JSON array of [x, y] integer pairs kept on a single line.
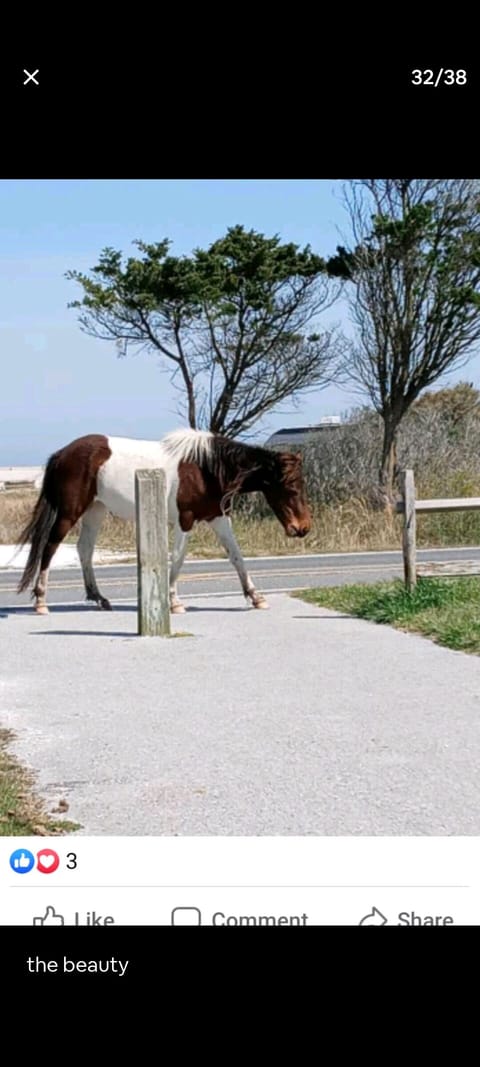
[[180, 543], [226, 536]]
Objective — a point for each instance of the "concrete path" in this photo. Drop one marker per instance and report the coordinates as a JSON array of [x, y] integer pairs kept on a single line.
[[291, 721]]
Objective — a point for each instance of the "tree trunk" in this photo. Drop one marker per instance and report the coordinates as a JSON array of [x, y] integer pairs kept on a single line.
[[388, 465], [192, 414], [192, 417]]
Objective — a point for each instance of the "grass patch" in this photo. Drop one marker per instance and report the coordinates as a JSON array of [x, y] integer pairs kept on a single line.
[[22, 814], [447, 610]]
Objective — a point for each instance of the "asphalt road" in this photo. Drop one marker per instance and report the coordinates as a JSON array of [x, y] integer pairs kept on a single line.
[[206, 577]]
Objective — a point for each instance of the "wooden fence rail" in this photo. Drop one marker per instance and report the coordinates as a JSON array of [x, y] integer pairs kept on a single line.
[[410, 508], [152, 553]]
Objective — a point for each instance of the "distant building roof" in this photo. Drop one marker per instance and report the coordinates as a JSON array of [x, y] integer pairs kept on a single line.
[[300, 434]]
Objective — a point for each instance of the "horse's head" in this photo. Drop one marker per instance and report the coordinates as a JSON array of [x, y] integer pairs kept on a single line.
[[285, 492]]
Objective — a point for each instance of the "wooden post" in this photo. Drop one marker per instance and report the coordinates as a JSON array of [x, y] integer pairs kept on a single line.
[[152, 553], [409, 530]]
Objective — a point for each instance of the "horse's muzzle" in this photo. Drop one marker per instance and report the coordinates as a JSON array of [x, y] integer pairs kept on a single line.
[[297, 531]]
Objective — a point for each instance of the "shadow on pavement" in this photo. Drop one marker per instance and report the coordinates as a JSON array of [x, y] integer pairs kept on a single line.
[[81, 633], [189, 610], [327, 618], [61, 609]]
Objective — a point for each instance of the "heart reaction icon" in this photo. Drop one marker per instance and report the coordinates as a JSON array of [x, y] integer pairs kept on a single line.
[[47, 861]]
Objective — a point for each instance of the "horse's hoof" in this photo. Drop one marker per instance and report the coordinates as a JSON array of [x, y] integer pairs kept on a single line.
[[105, 605], [260, 602], [177, 609], [41, 609]]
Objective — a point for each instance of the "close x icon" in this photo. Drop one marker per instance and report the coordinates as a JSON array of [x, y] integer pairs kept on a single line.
[[31, 78]]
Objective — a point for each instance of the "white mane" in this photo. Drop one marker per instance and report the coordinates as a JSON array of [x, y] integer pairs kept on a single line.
[[187, 445]]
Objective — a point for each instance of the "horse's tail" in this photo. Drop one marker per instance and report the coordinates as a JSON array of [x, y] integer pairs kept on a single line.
[[38, 529]]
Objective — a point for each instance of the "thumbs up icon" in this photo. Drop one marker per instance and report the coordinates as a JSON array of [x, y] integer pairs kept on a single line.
[[22, 861], [49, 919]]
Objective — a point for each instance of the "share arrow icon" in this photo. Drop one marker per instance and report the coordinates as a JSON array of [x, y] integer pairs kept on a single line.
[[374, 918]]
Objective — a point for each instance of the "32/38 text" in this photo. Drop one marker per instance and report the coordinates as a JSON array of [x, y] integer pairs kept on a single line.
[[438, 77]]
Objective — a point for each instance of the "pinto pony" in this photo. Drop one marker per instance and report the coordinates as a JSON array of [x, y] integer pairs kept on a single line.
[[204, 471]]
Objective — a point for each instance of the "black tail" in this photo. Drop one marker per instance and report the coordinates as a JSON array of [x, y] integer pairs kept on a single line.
[[41, 522]]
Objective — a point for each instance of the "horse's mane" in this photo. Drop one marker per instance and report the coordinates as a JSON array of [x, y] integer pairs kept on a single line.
[[188, 446], [229, 461]]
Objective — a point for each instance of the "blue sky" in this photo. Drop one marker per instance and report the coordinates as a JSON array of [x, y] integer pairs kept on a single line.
[[57, 383]]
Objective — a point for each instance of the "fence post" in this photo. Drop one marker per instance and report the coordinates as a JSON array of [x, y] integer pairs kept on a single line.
[[409, 530], [152, 553]]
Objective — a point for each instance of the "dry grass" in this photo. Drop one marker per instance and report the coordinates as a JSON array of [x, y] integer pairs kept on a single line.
[[343, 527], [15, 508]]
